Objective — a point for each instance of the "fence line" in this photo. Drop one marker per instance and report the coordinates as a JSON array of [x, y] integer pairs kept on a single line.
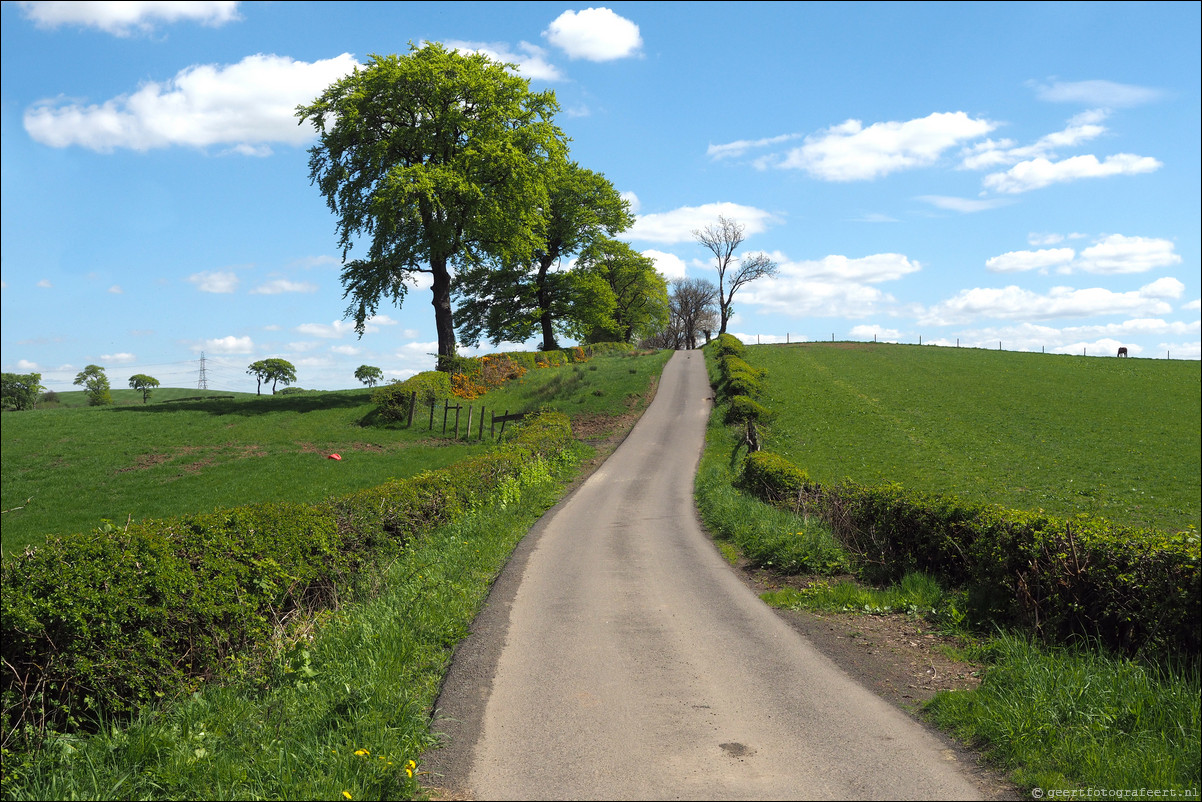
[[458, 407]]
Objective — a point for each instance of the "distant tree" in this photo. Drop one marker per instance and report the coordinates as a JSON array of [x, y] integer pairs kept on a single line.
[[621, 296], [692, 308], [144, 383], [273, 370], [96, 383], [514, 299], [722, 240], [369, 375], [20, 390], [434, 159]]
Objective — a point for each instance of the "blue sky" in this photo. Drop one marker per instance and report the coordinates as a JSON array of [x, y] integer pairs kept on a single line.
[[1022, 174]]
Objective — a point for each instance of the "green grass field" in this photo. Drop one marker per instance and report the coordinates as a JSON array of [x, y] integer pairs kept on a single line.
[[69, 468], [1108, 437]]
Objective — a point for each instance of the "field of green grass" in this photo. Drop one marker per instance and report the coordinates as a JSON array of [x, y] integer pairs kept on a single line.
[[69, 468], [1116, 438]]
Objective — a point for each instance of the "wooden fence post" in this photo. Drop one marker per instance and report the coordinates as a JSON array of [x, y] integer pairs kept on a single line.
[[412, 404], [431, 427], [480, 436]]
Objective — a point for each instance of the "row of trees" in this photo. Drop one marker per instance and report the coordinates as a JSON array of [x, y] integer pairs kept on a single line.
[[447, 164]]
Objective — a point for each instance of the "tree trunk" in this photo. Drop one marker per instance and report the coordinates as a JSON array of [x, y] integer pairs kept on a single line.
[[444, 323], [544, 305]]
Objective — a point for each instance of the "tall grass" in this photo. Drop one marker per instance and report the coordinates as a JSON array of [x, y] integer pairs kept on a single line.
[[1070, 719], [341, 711], [1109, 437]]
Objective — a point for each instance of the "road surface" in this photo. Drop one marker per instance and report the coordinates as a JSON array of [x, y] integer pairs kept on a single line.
[[619, 657]]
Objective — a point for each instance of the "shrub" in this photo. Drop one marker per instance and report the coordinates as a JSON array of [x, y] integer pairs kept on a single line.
[[392, 399], [97, 624], [743, 409], [773, 478]]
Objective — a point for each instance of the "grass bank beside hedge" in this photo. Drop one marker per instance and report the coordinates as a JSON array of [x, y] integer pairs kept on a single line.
[[99, 624], [1136, 591]]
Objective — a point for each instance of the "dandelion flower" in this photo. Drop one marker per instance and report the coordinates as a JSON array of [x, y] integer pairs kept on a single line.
[[347, 794], [362, 752]]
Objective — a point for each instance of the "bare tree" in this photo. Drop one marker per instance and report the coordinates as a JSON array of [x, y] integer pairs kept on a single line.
[[722, 240], [692, 305]]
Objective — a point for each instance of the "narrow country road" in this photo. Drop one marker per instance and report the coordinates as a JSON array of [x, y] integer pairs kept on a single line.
[[619, 657]]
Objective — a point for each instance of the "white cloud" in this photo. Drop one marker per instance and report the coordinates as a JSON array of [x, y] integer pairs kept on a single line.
[[26, 365], [226, 345], [1096, 93], [678, 225], [122, 358], [669, 264], [246, 104], [122, 19], [595, 34], [1081, 128], [1119, 254], [962, 205], [281, 285], [1019, 261], [1110, 255], [851, 152], [876, 332], [45, 284], [633, 200], [735, 149], [832, 286], [116, 289], [219, 281], [339, 328], [1193, 305], [531, 60], [1041, 172], [345, 350], [1016, 303]]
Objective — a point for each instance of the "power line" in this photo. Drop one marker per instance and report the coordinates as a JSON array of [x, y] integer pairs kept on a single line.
[[203, 382]]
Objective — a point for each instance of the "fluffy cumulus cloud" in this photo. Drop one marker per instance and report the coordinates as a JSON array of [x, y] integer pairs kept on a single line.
[[668, 264], [217, 281], [531, 60], [852, 152], [226, 345], [594, 34], [244, 105], [122, 19], [1020, 261], [835, 285], [678, 225], [1042, 172], [1016, 303], [1110, 255], [1097, 340]]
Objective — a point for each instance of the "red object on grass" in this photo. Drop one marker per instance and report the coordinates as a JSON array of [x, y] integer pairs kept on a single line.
[[333, 456]]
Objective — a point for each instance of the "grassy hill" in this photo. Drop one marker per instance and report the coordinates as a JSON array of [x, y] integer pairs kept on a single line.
[[1117, 438], [70, 467]]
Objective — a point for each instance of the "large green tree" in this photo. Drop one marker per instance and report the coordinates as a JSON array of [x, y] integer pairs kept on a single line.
[[621, 296], [96, 385], [515, 299], [20, 390], [143, 383], [369, 375], [274, 370], [435, 160]]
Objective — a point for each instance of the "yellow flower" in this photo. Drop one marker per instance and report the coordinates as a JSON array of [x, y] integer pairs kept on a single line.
[[362, 752], [347, 794]]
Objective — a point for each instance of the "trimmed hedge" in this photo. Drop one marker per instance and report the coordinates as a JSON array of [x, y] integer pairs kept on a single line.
[[1134, 590], [101, 623]]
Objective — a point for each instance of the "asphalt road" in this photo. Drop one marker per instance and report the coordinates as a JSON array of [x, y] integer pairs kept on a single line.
[[619, 657]]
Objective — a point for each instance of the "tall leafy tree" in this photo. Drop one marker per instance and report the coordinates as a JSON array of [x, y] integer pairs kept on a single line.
[[435, 160], [20, 390], [621, 296], [514, 300], [143, 383], [723, 240], [96, 385], [274, 370], [369, 375]]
